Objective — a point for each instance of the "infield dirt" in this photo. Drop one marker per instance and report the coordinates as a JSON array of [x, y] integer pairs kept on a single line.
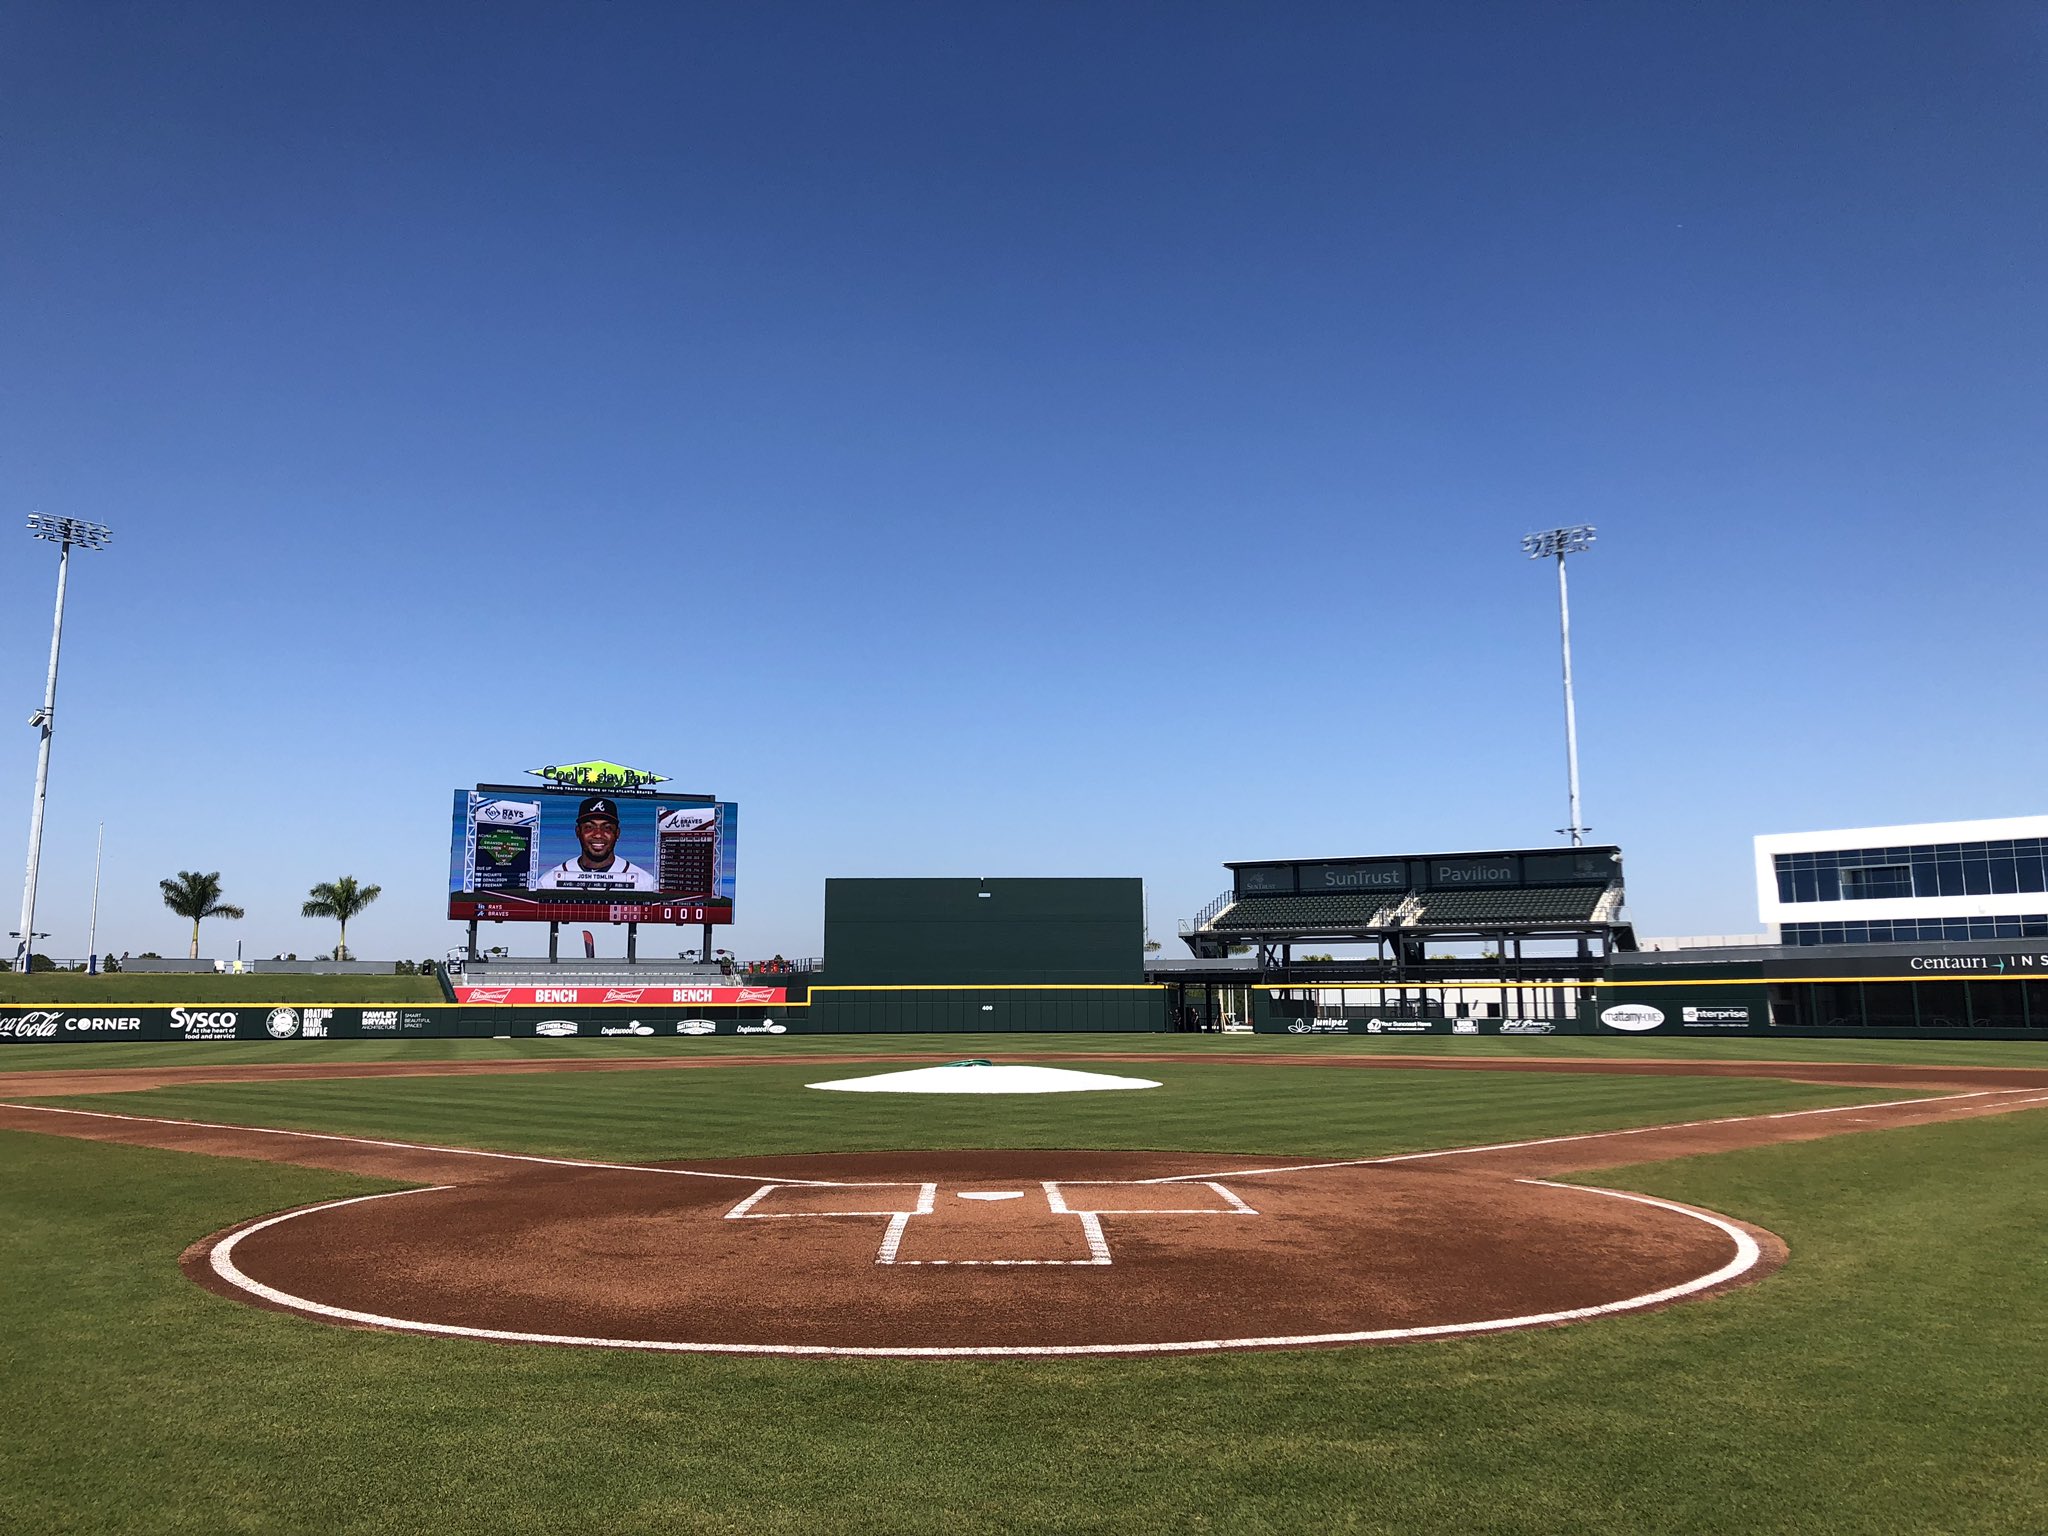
[[997, 1251]]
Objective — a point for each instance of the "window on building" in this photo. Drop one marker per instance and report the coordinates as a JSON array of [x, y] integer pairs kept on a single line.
[[1917, 930], [1994, 867], [1875, 882]]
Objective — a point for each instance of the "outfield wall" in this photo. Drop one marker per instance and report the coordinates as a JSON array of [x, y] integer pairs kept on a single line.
[[848, 1010], [1980, 1006], [1993, 1007]]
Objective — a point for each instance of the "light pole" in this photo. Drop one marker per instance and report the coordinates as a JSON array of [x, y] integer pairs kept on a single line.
[[63, 532], [92, 927], [1560, 542]]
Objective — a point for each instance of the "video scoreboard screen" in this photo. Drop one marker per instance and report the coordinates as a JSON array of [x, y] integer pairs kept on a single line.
[[554, 855]]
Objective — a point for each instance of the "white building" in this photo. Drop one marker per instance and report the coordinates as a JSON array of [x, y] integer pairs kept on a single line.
[[1931, 881]]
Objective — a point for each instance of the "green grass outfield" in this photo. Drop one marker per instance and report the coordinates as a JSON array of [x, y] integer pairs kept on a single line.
[[1886, 1381], [131, 987], [1214, 1106], [29, 1057]]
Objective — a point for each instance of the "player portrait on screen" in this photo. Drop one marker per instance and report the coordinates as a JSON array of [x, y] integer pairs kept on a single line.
[[599, 867]]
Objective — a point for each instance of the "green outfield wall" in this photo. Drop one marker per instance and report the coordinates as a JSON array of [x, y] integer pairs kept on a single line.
[[1987, 1005], [999, 1010], [954, 933]]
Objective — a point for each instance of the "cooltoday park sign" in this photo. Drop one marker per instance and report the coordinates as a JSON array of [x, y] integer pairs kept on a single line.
[[597, 774], [295, 1021]]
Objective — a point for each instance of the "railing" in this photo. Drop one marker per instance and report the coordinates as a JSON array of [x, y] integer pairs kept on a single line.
[[784, 968], [1208, 914], [111, 965]]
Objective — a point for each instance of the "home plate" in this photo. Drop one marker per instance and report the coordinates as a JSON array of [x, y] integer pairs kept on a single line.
[[991, 1194], [986, 1077]]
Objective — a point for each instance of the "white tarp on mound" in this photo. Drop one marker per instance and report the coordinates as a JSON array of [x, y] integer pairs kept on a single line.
[[983, 1078]]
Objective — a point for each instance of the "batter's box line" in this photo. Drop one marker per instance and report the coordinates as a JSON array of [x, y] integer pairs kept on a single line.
[[927, 1196], [1056, 1198], [1090, 1219], [1091, 1234]]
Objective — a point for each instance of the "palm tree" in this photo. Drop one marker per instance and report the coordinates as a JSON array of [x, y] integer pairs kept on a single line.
[[196, 896], [341, 898]]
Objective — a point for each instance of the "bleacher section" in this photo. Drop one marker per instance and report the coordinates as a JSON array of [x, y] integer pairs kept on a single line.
[[593, 973], [1501, 909], [1499, 897], [1314, 915]]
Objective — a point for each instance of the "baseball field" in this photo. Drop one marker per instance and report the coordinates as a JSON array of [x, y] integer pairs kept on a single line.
[[1454, 1285]]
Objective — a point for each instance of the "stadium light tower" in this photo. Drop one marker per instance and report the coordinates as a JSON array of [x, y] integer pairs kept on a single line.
[[63, 532], [1560, 542]]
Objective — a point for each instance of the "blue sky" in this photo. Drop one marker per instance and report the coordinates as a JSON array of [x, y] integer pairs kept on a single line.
[[1016, 439]]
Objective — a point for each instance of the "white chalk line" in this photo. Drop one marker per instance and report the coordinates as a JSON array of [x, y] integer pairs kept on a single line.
[[1747, 1255], [1092, 1235], [1055, 1192], [1552, 1141], [1175, 1178], [409, 1146], [745, 1211]]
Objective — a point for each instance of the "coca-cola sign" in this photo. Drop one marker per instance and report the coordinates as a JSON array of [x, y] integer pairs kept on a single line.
[[48, 1023]]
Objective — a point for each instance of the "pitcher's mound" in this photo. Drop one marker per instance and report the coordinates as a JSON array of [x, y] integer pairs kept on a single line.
[[986, 1077]]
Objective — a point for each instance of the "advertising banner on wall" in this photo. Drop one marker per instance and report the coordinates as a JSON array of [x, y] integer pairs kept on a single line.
[[1275, 1024], [202, 1022], [616, 996], [551, 855], [1678, 1010]]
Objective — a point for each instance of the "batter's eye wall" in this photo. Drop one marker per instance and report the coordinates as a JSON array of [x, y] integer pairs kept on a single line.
[[955, 933]]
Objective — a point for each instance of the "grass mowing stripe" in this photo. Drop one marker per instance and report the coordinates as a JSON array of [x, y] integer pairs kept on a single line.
[[1766, 1048], [1883, 1382], [645, 1116]]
